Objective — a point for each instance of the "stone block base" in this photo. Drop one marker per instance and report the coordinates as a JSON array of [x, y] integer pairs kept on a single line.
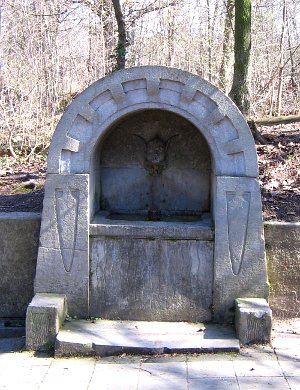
[[45, 314], [253, 320]]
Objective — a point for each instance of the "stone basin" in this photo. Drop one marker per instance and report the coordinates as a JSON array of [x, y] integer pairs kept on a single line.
[[153, 265], [164, 218], [138, 226]]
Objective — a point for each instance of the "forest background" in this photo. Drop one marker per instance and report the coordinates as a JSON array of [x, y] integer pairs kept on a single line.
[[52, 50]]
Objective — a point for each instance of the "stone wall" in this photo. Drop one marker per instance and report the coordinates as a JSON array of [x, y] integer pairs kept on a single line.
[[19, 234], [283, 259]]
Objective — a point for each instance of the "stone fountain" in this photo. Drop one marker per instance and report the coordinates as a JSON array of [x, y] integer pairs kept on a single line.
[[152, 210]]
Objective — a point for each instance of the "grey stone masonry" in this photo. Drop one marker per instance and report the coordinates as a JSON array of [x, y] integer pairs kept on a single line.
[[283, 259], [19, 240], [253, 320], [156, 280], [107, 337], [45, 315]]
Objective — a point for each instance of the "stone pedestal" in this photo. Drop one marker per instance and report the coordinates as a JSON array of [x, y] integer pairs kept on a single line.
[[45, 315], [253, 320]]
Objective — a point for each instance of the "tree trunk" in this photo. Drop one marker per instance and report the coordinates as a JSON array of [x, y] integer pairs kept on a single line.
[[103, 10], [291, 54], [209, 37], [276, 120], [226, 45], [120, 51], [281, 59], [242, 47]]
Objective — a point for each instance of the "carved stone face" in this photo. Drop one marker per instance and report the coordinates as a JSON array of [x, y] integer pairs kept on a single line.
[[156, 154], [156, 151]]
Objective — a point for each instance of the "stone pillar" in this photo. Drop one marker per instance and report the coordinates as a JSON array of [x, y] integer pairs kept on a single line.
[[45, 315], [253, 320], [240, 267], [63, 257]]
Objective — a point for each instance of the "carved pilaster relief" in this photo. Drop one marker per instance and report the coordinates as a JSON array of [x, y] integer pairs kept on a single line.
[[66, 207], [238, 205]]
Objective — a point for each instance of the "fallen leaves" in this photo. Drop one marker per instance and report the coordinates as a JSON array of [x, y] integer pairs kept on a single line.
[[279, 172]]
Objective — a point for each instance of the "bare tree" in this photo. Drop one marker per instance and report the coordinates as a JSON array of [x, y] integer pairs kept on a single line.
[[242, 48], [52, 50], [226, 47], [281, 58], [122, 41]]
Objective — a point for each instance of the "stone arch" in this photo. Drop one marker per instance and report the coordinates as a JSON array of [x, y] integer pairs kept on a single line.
[[126, 91]]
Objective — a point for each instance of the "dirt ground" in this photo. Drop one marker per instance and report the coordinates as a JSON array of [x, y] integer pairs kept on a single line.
[[288, 326], [279, 172], [21, 184]]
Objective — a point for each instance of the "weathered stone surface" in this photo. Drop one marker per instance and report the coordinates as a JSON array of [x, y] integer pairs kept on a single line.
[[63, 265], [105, 338], [65, 212], [45, 314], [19, 234], [283, 260], [157, 280], [240, 267], [253, 320], [104, 226]]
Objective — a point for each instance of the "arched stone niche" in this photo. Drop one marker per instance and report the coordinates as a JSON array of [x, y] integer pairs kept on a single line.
[[79, 155], [153, 159]]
